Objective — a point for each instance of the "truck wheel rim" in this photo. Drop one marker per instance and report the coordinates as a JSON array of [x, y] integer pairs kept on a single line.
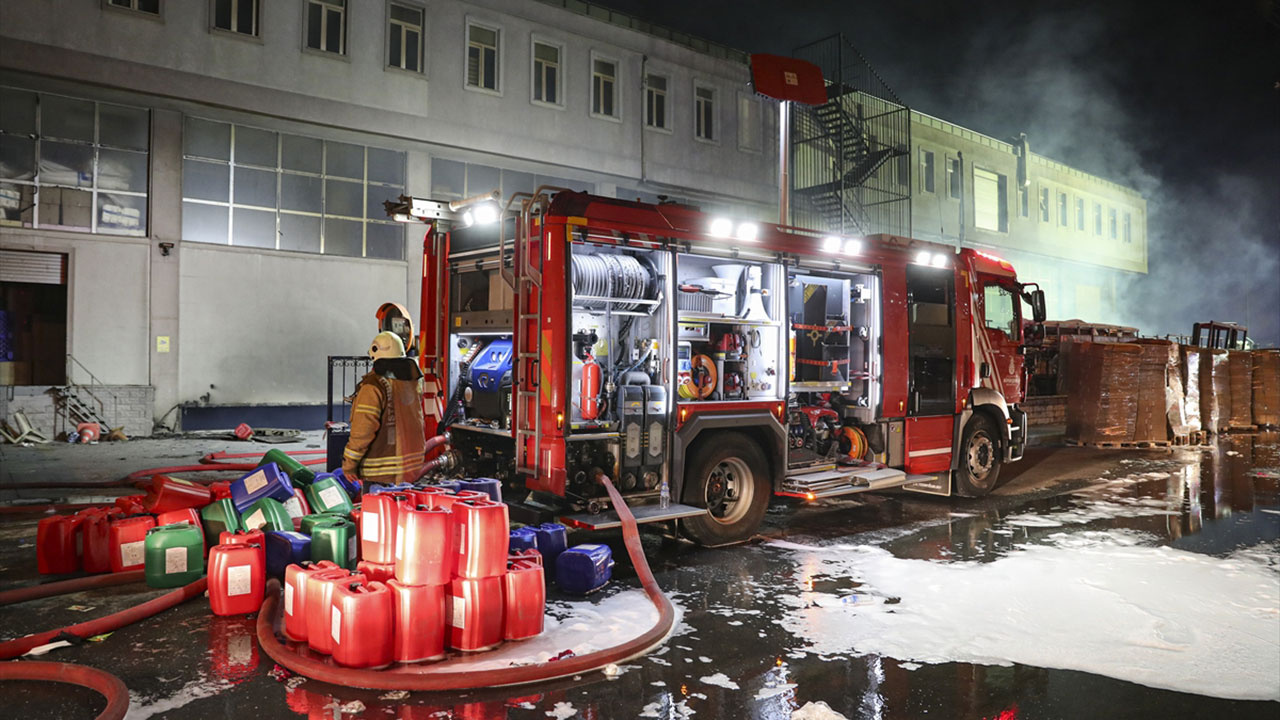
[[981, 456], [729, 490]]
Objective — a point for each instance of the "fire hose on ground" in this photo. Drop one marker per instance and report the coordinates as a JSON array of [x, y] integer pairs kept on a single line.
[[208, 463], [106, 684]]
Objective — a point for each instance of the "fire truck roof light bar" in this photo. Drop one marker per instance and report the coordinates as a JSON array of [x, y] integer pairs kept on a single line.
[[724, 228], [924, 257]]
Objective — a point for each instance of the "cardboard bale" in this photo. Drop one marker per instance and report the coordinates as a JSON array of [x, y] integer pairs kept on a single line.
[[1102, 392], [1240, 415], [1191, 357], [1156, 403], [1215, 390], [1266, 387]]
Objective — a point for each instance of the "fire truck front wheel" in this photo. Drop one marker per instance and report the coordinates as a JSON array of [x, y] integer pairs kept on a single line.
[[979, 465], [728, 475]]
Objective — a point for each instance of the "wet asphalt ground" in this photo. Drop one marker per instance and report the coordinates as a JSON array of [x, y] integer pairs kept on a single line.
[[185, 663]]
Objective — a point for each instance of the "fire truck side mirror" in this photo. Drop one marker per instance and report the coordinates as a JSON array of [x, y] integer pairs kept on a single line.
[[1037, 305]]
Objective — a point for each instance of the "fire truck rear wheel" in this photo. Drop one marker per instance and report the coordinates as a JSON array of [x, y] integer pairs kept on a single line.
[[729, 476], [980, 455]]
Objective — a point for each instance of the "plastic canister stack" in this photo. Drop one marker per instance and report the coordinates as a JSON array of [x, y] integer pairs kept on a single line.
[[174, 555], [220, 516], [58, 541], [522, 539], [475, 613], [95, 533], [419, 621], [237, 579], [553, 538], [296, 579], [362, 624], [171, 493], [185, 516], [326, 494], [296, 471], [284, 548], [379, 517], [128, 539], [379, 572], [482, 536], [319, 605], [334, 539], [267, 481], [266, 514], [583, 569], [524, 599], [424, 546]]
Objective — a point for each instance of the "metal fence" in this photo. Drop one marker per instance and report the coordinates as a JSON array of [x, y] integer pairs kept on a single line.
[[345, 372]]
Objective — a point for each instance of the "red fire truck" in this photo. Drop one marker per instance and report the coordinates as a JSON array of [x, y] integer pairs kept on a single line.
[[706, 364]]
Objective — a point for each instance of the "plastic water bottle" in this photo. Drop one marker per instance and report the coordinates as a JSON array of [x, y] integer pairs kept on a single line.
[[664, 494]]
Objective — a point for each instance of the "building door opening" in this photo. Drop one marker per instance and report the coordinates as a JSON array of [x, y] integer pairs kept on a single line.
[[33, 318]]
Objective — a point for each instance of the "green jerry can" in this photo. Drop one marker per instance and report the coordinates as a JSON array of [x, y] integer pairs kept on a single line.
[[173, 556], [267, 514], [309, 521], [300, 474], [327, 495], [218, 517], [334, 539]]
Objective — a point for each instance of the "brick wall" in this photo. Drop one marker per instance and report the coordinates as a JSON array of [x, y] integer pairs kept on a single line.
[[129, 405], [1046, 410]]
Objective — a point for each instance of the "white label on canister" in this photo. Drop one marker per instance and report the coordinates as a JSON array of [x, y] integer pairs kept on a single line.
[[255, 520], [293, 507], [330, 498], [370, 522], [239, 580], [255, 482], [132, 553], [459, 619], [288, 599], [335, 624], [175, 560]]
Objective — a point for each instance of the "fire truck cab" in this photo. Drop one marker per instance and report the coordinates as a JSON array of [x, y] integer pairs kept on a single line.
[[706, 364]]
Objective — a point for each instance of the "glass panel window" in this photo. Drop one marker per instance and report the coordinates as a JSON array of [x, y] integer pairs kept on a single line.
[[405, 38], [253, 228], [1080, 214], [1062, 209], [926, 171], [206, 181], [998, 310], [17, 204], [17, 157], [482, 57], [122, 170], [300, 232], [383, 240], [66, 164], [655, 102], [604, 78], [204, 223], [1097, 219], [704, 121], [1128, 229], [206, 139], [546, 73], [326, 25], [304, 193], [1044, 204], [146, 6], [255, 187], [255, 147], [237, 16], [301, 153], [66, 118], [344, 198], [1111, 222], [124, 213], [344, 160], [953, 177], [65, 208], [386, 166], [17, 111], [343, 237], [123, 127], [749, 137], [448, 178], [482, 179]]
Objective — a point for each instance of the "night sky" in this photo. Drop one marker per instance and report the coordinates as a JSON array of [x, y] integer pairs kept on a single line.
[[1177, 100]]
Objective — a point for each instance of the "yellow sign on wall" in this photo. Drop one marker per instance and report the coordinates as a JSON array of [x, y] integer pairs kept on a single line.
[[162, 343]]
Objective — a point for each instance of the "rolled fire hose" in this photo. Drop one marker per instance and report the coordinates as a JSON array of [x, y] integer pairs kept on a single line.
[[20, 646], [63, 587], [100, 681], [207, 464], [442, 677]]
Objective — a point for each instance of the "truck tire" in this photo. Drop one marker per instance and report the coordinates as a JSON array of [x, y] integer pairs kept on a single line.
[[729, 476], [978, 467]]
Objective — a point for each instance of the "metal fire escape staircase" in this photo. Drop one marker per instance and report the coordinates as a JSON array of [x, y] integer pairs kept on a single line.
[[78, 403]]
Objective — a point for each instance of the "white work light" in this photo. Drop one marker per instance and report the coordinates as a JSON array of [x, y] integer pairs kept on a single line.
[[922, 257], [721, 227], [747, 231], [939, 260], [831, 244], [852, 246]]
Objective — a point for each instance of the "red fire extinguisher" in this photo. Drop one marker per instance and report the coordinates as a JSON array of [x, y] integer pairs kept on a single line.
[[590, 400]]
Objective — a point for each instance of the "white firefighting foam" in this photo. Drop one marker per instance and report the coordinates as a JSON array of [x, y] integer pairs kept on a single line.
[[1099, 602]]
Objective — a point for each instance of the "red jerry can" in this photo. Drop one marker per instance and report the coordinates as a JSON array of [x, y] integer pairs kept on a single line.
[[463, 495], [296, 579], [378, 517], [221, 490], [170, 493], [524, 600], [424, 496], [297, 505], [443, 500], [237, 579], [526, 555], [475, 613], [58, 544], [424, 546], [132, 504], [319, 603], [95, 532], [128, 540], [185, 516], [361, 624], [482, 536], [233, 647], [253, 537], [419, 625], [380, 572]]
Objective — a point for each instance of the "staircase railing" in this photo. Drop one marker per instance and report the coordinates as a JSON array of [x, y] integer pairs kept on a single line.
[[74, 389]]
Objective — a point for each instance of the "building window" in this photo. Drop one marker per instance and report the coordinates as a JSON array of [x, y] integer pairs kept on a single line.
[[237, 16], [953, 177], [749, 130], [989, 209], [1128, 229], [151, 7], [926, 170], [1080, 214], [546, 73], [482, 57], [1023, 204], [73, 164], [1062, 209], [1044, 204], [404, 38], [250, 187], [655, 102], [704, 113], [903, 169], [1097, 219], [604, 88], [1111, 222], [326, 25]]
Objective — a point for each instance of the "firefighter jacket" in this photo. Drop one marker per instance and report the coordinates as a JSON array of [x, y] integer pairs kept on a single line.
[[387, 442]]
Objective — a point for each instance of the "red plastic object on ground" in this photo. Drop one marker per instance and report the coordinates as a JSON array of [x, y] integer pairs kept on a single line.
[[185, 516], [132, 504], [95, 533], [243, 431], [379, 572], [524, 600], [424, 546], [58, 541], [127, 542], [475, 613], [320, 592], [221, 490], [419, 621], [237, 579], [361, 624], [170, 493], [379, 515], [482, 535], [527, 555], [296, 579], [89, 432]]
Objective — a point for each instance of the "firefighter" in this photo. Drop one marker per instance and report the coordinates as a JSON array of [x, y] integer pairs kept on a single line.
[[387, 444]]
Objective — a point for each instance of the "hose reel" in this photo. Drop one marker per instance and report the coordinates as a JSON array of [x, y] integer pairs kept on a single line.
[[615, 277]]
